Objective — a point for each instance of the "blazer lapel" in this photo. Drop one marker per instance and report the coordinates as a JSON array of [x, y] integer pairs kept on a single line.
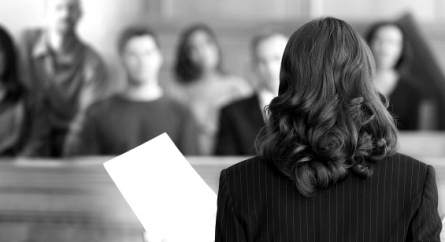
[[256, 114]]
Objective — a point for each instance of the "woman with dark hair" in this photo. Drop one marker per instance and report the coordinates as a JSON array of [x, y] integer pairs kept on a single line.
[[327, 168], [198, 53], [201, 82], [18, 133], [392, 55]]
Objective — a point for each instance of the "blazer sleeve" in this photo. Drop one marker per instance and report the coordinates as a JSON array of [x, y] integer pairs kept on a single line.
[[426, 224], [188, 139], [226, 137], [228, 226], [87, 140]]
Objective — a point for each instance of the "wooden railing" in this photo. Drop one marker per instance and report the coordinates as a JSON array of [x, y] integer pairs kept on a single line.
[[75, 200]]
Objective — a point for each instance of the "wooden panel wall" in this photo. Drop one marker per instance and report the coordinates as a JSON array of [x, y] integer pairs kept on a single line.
[[425, 10], [229, 9], [235, 21], [235, 36]]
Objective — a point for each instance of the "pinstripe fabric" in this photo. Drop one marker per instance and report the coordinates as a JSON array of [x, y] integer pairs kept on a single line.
[[398, 203]]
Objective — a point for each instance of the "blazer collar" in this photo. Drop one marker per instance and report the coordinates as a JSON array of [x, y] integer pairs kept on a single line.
[[42, 49]]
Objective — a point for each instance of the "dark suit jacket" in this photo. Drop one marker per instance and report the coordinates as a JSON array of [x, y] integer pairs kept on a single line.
[[239, 125], [398, 203]]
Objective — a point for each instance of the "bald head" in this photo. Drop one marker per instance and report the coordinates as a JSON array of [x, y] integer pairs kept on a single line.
[[62, 15]]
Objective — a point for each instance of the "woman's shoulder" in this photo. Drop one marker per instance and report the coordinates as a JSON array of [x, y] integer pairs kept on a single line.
[[411, 84], [402, 160], [249, 170], [251, 176], [252, 161], [403, 169], [399, 166]]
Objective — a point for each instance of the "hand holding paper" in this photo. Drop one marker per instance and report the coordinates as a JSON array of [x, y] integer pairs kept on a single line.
[[167, 195]]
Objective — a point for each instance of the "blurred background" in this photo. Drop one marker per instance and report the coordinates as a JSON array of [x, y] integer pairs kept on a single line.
[[234, 21]]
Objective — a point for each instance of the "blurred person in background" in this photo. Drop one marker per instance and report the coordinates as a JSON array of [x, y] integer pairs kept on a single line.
[[392, 55], [142, 112], [241, 120], [202, 84], [62, 70], [22, 123]]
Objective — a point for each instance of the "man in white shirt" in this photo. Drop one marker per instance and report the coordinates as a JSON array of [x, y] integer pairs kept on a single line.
[[241, 121]]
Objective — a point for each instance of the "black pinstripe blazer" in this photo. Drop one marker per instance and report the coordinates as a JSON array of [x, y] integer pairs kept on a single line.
[[398, 203], [239, 124]]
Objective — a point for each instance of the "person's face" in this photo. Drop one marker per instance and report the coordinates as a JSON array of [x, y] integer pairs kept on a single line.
[[267, 62], [387, 46], [63, 15], [142, 59], [203, 51]]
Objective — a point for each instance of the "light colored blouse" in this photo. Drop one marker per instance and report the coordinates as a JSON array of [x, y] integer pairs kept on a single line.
[[205, 98]]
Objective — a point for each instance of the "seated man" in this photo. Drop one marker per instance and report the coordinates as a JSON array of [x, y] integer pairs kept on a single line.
[[241, 121], [142, 111]]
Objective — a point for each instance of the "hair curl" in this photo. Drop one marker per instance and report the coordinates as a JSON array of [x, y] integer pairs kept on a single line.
[[328, 118], [10, 78]]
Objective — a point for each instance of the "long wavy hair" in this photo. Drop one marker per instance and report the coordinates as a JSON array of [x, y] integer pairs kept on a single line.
[[328, 118], [186, 70], [9, 78], [406, 54]]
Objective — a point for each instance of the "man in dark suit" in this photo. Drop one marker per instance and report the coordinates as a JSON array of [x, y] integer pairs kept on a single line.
[[241, 121]]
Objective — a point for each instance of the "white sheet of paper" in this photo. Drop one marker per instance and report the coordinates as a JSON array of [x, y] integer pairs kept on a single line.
[[167, 195]]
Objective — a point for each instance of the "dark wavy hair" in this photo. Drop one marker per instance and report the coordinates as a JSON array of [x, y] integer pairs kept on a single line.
[[328, 118], [185, 69], [406, 53], [10, 78]]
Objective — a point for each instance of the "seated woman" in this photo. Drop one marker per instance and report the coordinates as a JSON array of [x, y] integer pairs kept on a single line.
[[392, 53], [202, 84], [327, 168], [22, 123]]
